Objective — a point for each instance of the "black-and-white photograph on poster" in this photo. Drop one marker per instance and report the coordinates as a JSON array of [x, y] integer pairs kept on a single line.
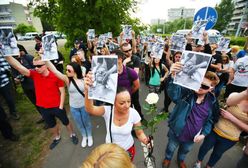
[[157, 50], [195, 65], [104, 69], [198, 28], [91, 34], [178, 43], [127, 30], [223, 44], [101, 41], [113, 46], [8, 43], [49, 47]]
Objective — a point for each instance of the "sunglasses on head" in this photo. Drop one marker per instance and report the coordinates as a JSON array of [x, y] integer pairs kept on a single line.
[[38, 66], [127, 50], [205, 87]]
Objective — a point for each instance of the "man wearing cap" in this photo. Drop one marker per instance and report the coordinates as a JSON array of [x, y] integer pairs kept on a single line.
[[77, 46]]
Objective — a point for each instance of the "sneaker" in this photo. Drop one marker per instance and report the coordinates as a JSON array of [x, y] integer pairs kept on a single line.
[[14, 116], [54, 143], [197, 165], [181, 164], [90, 141], [166, 163], [74, 139], [41, 120], [84, 142]]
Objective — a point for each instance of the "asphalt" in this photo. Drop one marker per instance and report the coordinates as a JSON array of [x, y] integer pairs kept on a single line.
[[67, 155]]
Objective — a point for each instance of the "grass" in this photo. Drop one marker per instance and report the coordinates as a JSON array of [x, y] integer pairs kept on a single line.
[[30, 150]]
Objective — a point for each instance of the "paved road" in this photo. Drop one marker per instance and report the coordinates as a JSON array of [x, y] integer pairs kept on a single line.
[[67, 155]]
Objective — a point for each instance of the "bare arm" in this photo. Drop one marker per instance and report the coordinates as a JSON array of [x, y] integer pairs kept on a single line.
[[233, 119], [62, 97], [236, 98], [134, 43], [140, 134], [231, 76], [18, 66], [89, 107], [217, 66], [61, 76], [136, 85]]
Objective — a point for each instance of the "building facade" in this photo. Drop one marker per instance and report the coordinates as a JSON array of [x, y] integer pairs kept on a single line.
[[239, 21], [177, 13], [12, 14]]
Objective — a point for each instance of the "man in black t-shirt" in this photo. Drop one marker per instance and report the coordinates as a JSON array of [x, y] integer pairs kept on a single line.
[[132, 61]]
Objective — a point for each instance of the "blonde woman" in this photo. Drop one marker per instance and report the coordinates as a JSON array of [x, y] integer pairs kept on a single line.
[[107, 156]]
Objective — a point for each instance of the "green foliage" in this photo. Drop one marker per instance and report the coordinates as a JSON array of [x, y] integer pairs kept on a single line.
[[240, 41], [155, 118], [75, 17], [225, 12], [170, 27], [22, 29]]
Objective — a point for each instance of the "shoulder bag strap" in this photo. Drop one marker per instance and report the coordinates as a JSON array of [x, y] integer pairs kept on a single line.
[[74, 83]]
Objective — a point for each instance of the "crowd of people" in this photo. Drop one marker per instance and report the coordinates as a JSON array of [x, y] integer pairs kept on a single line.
[[196, 116]]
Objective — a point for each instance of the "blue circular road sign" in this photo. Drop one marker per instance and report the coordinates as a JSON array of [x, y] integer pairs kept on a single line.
[[209, 14]]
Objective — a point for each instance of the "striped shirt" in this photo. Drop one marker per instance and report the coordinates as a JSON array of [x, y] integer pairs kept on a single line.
[[4, 68]]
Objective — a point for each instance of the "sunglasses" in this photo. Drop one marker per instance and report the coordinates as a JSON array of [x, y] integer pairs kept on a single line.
[[127, 51], [68, 70], [205, 87], [38, 66]]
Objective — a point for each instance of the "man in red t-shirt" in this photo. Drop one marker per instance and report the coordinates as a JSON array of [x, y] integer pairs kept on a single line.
[[50, 96]]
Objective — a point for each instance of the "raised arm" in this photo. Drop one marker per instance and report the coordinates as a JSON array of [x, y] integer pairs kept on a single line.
[[89, 106], [18, 66], [61, 76]]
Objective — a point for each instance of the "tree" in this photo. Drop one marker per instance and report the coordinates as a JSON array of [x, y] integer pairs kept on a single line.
[[170, 27], [22, 29], [225, 12], [75, 17]]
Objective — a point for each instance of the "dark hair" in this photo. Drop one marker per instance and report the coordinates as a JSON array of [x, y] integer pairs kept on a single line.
[[77, 69], [38, 37], [154, 66], [119, 53], [121, 89]]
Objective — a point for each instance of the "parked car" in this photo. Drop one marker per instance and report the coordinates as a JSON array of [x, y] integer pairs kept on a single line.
[[30, 35]]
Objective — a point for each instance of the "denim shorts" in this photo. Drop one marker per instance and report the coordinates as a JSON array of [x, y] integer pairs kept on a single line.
[[49, 115]]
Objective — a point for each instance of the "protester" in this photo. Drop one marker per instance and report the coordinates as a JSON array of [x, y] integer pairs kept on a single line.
[[226, 131], [158, 74], [127, 77], [27, 83], [238, 80], [223, 74], [132, 61], [5, 127], [50, 96], [192, 117], [75, 84], [107, 156], [6, 89], [119, 118]]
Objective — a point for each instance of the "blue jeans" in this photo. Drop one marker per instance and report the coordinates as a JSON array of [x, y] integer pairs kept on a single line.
[[184, 147], [219, 144], [82, 120]]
